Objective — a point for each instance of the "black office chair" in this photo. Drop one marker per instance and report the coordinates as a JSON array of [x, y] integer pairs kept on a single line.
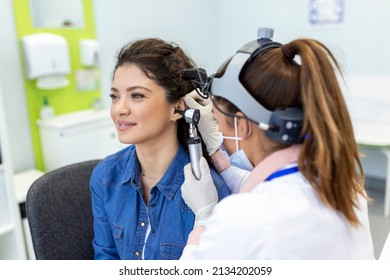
[[59, 213]]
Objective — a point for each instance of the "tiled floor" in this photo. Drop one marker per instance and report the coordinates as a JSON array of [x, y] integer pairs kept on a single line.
[[380, 226]]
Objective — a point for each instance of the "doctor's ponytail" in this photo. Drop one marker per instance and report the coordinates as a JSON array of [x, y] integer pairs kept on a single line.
[[330, 154]]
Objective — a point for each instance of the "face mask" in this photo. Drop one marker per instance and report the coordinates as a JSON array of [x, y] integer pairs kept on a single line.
[[239, 158]]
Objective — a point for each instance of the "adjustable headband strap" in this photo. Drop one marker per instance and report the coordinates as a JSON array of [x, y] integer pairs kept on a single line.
[[229, 87]]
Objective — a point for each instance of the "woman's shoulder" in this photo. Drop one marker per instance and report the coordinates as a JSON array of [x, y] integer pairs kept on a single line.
[[119, 155], [114, 163]]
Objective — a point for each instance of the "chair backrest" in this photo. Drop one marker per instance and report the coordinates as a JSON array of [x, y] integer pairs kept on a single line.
[[59, 213]]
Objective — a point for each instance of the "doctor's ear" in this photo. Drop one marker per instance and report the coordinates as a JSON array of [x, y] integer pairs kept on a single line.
[[244, 126]]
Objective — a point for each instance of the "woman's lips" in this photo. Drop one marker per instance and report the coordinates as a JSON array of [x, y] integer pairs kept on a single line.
[[124, 125]]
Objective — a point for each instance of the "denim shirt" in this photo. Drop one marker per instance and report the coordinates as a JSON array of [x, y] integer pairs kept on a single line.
[[121, 216]]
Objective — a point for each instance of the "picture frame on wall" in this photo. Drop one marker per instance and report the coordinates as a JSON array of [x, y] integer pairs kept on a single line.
[[322, 12]]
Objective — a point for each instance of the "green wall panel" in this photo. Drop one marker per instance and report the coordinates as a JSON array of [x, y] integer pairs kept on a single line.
[[64, 100]]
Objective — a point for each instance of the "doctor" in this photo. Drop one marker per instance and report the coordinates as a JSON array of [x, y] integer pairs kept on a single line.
[[305, 198]]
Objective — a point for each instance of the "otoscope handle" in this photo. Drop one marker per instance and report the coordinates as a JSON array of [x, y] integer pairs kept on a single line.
[[195, 149]]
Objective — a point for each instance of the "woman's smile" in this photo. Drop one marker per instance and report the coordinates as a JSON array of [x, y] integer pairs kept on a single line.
[[125, 125]]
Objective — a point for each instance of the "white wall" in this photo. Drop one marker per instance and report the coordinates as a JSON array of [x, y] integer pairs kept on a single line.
[[11, 83], [361, 41]]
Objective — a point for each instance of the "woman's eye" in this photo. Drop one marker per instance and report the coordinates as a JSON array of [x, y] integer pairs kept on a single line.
[[113, 96], [136, 95]]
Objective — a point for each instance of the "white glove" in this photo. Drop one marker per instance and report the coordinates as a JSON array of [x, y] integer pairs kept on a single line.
[[207, 125], [201, 196]]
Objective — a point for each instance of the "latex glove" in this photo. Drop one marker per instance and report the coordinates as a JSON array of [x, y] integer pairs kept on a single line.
[[201, 196], [207, 125]]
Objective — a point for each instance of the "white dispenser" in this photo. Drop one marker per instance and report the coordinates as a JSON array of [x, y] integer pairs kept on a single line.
[[47, 59], [89, 51]]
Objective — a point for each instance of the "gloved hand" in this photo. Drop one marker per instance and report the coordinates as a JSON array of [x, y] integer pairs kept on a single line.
[[207, 125], [201, 196]]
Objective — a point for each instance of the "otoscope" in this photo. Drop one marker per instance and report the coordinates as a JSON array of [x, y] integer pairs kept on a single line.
[[198, 76], [192, 117]]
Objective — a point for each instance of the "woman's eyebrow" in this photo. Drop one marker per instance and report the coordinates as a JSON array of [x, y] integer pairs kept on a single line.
[[132, 88]]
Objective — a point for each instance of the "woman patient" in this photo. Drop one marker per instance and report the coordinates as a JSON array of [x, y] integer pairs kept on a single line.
[[137, 204]]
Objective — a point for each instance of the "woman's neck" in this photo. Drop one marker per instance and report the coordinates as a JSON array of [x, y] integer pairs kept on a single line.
[[260, 151], [154, 161]]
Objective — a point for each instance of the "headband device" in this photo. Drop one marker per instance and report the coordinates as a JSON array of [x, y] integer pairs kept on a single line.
[[283, 125]]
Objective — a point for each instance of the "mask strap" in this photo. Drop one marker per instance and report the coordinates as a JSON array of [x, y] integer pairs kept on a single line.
[[230, 137], [235, 137], [236, 132]]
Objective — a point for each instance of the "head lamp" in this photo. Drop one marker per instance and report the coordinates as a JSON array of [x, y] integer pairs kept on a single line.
[[283, 124]]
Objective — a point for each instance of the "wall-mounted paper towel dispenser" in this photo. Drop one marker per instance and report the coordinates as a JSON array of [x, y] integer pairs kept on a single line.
[[45, 55]]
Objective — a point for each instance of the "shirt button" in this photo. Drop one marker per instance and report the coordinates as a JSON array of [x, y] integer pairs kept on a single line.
[[137, 253], [153, 231], [153, 205], [142, 224]]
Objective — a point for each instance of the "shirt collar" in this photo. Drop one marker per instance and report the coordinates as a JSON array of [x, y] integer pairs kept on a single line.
[[172, 179], [174, 176]]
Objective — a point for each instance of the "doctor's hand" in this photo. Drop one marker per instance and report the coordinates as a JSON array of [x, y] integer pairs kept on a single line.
[[207, 125], [201, 196]]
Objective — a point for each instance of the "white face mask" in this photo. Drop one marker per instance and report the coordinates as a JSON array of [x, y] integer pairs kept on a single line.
[[239, 158]]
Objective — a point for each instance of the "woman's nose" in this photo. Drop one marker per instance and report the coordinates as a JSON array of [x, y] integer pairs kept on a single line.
[[122, 108]]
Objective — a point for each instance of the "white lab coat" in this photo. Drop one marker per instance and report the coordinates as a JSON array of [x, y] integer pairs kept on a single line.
[[281, 219]]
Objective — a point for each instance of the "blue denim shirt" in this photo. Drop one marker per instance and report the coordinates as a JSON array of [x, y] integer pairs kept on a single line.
[[121, 216]]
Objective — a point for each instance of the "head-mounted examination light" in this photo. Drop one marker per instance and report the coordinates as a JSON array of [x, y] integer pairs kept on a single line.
[[283, 125]]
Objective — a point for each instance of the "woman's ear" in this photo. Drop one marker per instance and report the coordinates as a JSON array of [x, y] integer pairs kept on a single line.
[[244, 127], [180, 106]]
